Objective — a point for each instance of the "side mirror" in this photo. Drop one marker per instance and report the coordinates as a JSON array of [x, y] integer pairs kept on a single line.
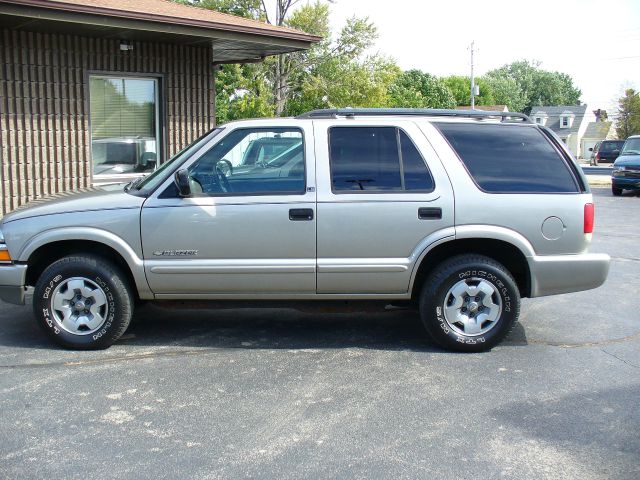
[[591, 149], [225, 167], [181, 179]]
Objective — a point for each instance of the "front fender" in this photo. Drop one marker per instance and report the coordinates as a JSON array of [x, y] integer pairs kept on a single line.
[[97, 235]]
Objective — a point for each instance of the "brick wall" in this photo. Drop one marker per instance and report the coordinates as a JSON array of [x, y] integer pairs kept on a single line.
[[44, 105]]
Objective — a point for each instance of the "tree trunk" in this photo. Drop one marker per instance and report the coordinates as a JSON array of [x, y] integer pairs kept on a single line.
[[280, 81], [280, 86]]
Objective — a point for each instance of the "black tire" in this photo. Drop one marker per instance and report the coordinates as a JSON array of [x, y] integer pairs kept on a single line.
[[616, 191], [451, 272], [118, 301]]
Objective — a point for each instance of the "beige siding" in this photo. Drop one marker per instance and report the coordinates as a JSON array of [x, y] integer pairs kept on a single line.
[[44, 105]]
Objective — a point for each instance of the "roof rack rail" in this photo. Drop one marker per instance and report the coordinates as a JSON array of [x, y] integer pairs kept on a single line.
[[420, 112]]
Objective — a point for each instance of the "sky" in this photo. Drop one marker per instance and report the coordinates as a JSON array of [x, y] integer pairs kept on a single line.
[[596, 42]]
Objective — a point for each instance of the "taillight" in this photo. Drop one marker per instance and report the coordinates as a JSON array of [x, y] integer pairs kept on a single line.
[[588, 217], [598, 156]]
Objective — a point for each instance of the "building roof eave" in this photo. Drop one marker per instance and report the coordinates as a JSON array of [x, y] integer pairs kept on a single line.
[[243, 26], [257, 42]]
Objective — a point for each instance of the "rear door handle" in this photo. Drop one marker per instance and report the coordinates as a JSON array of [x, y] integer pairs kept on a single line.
[[300, 214], [429, 213]]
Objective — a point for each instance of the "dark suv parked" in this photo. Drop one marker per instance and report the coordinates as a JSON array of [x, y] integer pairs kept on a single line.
[[606, 151]]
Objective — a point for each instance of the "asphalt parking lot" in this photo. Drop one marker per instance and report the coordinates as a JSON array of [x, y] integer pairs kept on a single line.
[[282, 394]]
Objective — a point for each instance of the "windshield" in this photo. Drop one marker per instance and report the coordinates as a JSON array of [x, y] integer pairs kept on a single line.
[[156, 178], [631, 147]]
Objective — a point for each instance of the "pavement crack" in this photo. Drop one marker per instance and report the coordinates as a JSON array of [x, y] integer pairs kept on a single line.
[[612, 341], [621, 359], [103, 361]]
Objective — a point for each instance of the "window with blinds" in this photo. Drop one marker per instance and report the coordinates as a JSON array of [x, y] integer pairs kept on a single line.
[[124, 124]]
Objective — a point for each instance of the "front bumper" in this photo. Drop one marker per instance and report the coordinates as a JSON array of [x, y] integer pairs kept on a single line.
[[629, 183], [12, 283], [554, 274]]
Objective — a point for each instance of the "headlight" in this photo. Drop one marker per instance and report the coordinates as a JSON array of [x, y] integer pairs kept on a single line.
[[619, 168], [5, 257]]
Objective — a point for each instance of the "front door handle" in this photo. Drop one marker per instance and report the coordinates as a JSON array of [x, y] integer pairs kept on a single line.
[[301, 214], [429, 213]]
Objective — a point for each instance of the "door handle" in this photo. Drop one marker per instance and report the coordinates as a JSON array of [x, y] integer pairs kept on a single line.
[[429, 213], [300, 214]]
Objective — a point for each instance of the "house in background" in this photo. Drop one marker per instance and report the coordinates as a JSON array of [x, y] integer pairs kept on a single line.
[[596, 132], [105, 90], [578, 126]]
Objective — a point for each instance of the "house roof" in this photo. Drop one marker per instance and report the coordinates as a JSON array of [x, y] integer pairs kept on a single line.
[[554, 113], [486, 108], [558, 110], [597, 130], [232, 37]]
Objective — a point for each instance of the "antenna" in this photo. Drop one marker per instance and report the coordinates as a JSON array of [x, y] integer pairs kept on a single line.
[[474, 88]]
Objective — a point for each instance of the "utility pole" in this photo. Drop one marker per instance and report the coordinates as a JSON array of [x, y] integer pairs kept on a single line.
[[473, 87]]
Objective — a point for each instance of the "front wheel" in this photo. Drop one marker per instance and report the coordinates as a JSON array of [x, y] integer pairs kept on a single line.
[[616, 191], [469, 303], [83, 302]]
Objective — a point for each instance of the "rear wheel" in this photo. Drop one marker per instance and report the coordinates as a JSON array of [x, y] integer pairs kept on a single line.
[[83, 302], [469, 303], [616, 191]]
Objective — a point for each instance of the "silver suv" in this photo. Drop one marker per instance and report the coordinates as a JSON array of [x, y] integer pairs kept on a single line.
[[459, 213]]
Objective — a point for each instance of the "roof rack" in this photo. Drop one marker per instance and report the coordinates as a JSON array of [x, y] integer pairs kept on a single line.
[[419, 112]]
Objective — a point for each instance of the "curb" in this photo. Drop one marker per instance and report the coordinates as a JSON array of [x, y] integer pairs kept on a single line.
[[599, 180]]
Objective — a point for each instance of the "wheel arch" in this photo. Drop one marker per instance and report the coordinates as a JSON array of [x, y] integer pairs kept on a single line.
[[502, 251], [49, 246]]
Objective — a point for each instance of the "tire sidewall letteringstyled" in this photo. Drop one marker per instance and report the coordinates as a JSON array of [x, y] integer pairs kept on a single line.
[[118, 302], [435, 320]]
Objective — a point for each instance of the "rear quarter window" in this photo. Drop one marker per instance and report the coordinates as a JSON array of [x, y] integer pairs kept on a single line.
[[509, 158]]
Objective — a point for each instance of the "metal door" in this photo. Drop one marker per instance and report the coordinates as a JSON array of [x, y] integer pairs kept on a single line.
[[235, 244], [369, 241]]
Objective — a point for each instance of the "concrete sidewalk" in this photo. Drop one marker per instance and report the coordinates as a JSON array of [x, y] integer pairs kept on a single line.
[[596, 180], [599, 180]]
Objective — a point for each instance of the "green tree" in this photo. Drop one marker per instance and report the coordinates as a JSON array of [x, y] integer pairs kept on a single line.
[[506, 91], [335, 72], [335, 84], [241, 8], [241, 91], [539, 87], [628, 121], [461, 89], [416, 89]]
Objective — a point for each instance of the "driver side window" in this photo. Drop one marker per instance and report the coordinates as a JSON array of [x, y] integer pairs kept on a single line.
[[252, 162]]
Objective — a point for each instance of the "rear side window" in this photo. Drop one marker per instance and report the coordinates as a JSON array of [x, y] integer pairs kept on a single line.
[[376, 159], [509, 158]]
